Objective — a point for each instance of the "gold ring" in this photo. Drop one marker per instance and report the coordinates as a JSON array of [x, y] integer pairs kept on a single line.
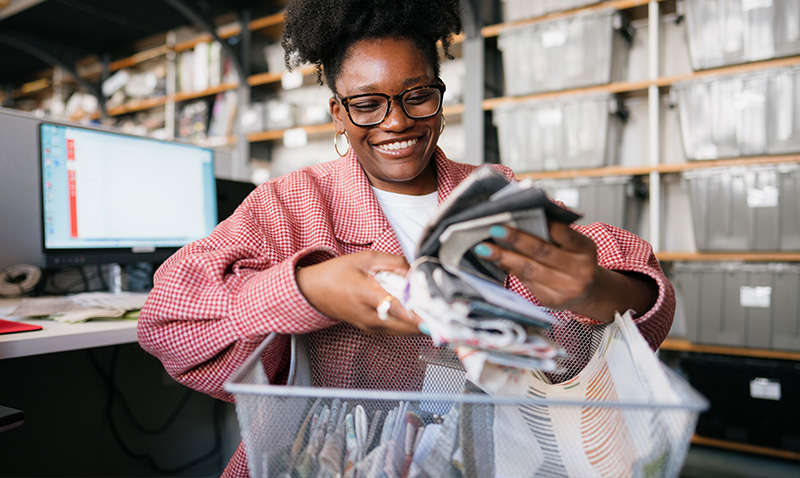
[[383, 307]]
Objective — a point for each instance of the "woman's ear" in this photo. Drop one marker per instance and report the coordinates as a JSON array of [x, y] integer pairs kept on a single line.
[[337, 113]]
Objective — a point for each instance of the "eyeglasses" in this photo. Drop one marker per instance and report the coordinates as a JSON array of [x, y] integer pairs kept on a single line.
[[369, 109]]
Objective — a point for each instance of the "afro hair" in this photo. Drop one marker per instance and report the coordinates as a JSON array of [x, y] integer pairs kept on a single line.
[[321, 31]]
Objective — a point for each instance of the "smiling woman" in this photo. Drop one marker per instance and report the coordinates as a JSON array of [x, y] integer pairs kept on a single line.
[[299, 255]]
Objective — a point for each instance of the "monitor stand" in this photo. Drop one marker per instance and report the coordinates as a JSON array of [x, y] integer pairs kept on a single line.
[[114, 278]]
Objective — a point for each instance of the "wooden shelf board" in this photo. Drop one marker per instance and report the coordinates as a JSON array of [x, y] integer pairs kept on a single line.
[[616, 87], [269, 21], [233, 30], [661, 168], [683, 345], [267, 78], [138, 105], [494, 30], [643, 85], [582, 173], [140, 57], [209, 92], [728, 70], [746, 161], [224, 32], [453, 110], [672, 256], [746, 447], [275, 135]]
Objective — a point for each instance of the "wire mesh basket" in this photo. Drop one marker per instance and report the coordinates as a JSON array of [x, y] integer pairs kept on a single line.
[[421, 417]]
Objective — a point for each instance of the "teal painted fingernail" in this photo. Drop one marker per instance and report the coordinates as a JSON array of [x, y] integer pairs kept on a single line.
[[498, 231], [482, 250], [424, 329]]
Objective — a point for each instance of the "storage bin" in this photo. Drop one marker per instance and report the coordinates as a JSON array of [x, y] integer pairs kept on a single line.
[[467, 433], [614, 200], [740, 305], [577, 51], [573, 133], [783, 114], [740, 115], [521, 9], [729, 32], [753, 400], [752, 208]]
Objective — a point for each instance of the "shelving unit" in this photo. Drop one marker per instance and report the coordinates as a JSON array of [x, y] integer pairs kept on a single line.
[[656, 169]]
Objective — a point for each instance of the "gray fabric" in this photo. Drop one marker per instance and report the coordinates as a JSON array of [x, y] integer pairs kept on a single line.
[[475, 430]]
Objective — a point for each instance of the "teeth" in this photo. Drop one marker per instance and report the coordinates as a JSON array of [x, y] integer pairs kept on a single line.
[[398, 145]]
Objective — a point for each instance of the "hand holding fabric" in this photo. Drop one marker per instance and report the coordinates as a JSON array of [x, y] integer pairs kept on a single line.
[[343, 288], [563, 272]]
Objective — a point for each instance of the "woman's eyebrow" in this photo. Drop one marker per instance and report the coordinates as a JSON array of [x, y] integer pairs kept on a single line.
[[372, 88]]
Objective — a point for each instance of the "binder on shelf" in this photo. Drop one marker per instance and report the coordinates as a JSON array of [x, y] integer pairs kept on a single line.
[[200, 74], [214, 64], [186, 71]]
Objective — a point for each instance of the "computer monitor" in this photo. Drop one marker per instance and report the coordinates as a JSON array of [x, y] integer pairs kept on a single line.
[[114, 198]]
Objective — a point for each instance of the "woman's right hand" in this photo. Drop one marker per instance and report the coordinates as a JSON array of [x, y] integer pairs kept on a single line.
[[344, 289]]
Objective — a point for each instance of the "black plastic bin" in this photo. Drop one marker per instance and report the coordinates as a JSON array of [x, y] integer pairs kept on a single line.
[[753, 400]]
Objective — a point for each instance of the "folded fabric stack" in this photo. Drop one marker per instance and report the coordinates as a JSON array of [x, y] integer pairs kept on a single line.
[[337, 439], [459, 295]]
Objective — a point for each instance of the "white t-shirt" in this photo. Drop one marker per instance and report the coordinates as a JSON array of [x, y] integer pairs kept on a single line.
[[408, 216]]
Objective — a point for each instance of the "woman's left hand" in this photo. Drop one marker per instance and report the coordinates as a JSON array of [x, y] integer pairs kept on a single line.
[[563, 273]]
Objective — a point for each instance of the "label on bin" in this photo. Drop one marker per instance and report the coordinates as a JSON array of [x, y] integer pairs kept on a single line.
[[549, 117], [554, 35], [291, 80], [569, 196], [755, 296], [763, 197], [748, 5], [765, 388], [295, 138]]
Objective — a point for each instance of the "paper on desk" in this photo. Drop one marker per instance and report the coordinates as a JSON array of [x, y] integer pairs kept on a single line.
[[42, 306], [48, 306], [82, 315]]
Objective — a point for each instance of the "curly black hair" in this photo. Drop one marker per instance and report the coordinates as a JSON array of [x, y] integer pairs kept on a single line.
[[322, 31]]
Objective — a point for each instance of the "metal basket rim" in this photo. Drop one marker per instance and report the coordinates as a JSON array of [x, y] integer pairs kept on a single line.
[[690, 399]]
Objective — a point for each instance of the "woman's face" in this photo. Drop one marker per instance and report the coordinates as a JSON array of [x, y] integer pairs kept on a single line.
[[396, 153]]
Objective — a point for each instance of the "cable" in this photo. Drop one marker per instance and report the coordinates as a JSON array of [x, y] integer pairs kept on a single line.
[[19, 279], [102, 277], [129, 411], [114, 393], [50, 278]]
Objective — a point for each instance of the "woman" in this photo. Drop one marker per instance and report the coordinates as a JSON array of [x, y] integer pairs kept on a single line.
[[297, 256]]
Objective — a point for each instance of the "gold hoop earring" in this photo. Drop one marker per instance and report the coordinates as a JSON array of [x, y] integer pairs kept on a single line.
[[443, 123], [336, 143]]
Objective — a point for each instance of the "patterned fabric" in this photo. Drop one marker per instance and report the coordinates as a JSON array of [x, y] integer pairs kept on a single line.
[[216, 299], [566, 440]]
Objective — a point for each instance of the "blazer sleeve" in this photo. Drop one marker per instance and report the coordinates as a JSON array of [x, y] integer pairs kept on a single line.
[[620, 250], [216, 299]]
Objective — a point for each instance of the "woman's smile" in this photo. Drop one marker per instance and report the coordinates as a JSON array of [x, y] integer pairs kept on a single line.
[[398, 148]]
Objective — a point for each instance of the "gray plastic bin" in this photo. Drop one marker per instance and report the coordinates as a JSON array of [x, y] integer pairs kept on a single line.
[[572, 52], [746, 114], [729, 32], [546, 135], [740, 305], [522, 9], [752, 208], [783, 116], [614, 200]]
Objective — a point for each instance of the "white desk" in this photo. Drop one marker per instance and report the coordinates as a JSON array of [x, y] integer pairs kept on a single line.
[[57, 337]]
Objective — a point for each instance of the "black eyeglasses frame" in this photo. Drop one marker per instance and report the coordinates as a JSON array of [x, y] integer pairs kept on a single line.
[[345, 102]]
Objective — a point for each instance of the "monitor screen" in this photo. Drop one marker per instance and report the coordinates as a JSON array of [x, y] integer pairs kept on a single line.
[[111, 197]]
